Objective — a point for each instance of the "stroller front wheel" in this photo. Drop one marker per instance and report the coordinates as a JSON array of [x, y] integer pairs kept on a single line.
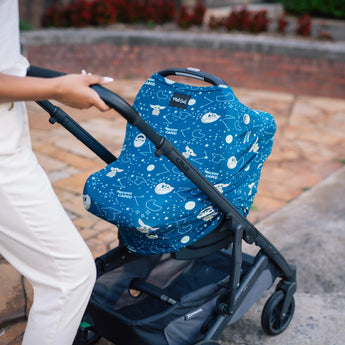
[[271, 321]]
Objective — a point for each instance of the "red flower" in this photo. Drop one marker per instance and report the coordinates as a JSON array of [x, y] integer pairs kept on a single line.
[[303, 25]]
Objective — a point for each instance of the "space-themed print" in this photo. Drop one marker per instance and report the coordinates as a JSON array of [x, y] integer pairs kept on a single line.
[[155, 207]]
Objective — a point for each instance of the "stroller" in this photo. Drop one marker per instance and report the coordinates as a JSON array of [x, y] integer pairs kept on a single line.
[[179, 275]]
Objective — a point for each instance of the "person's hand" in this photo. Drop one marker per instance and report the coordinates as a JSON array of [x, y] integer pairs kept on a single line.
[[74, 90]]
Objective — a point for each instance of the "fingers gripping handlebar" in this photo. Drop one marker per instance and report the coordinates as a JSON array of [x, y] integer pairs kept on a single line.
[[110, 98]]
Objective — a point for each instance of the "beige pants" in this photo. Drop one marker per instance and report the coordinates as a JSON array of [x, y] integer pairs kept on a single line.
[[40, 241]]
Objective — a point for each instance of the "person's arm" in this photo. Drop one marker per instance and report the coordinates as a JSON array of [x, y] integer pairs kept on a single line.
[[72, 89]]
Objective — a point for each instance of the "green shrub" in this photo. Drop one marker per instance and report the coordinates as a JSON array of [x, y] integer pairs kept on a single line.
[[24, 26], [321, 8]]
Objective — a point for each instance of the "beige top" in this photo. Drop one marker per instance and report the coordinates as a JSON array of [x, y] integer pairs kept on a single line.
[[13, 117]]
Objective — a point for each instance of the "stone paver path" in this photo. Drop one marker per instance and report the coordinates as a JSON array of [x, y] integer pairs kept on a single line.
[[309, 146]]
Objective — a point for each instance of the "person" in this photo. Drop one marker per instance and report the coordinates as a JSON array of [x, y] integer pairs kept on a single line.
[[36, 235]]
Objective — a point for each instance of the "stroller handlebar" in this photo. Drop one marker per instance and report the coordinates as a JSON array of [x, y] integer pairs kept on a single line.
[[34, 71], [195, 73], [113, 100]]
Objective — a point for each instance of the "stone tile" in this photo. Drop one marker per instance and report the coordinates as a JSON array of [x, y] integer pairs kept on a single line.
[[325, 168], [57, 175], [127, 88], [12, 334], [100, 127], [68, 158], [79, 115], [267, 96], [87, 233], [278, 191], [39, 118], [108, 236], [86, 221], [306, 114], [50, 164], [75, 205], [338, 118], [111, 133], [335, 129], [320, 136], [331, 105], [265, 205], [36, 140], [303, 182], [283, 154], [97, 246], [338, 150], [72, 145], [275, 103], [274, 173], [17, 341], [102, 225], [63, 194], [74, 183], [12, 302]]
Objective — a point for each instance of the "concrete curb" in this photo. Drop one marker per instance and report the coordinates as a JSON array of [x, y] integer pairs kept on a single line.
[[310, 234], [264, 44]]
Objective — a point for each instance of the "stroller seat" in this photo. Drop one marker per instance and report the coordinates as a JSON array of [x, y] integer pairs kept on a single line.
[[155, 207]]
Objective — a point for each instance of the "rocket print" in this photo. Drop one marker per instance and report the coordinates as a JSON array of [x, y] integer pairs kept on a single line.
[[113, 172]]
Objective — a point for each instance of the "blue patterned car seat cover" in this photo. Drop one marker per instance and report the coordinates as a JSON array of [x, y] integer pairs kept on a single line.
[[155, 207]]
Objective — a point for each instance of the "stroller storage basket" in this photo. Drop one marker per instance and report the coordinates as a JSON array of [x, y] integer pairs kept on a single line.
[[191, 288]]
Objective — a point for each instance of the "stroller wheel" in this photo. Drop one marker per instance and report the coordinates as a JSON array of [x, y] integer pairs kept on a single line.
[[207, 342], [271, 320], [87, 334], [88, 338]]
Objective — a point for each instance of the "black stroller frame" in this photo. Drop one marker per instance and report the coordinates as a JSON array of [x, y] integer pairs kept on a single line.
[[247, 279]]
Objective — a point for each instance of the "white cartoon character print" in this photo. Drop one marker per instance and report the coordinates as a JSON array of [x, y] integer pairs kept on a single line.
[[139, 140], [207, 213], [163, 188], [232, 162], [189, 152], [147, 230], [209, 118], [86, 201], [156, 109], [220, 186], [143, 228], [113, 172]]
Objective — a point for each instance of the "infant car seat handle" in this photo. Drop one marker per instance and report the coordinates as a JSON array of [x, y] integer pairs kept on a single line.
[[195, 73]]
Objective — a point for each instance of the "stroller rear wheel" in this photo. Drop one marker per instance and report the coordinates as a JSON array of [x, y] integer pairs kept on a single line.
[[87, 333], [271, 320]]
